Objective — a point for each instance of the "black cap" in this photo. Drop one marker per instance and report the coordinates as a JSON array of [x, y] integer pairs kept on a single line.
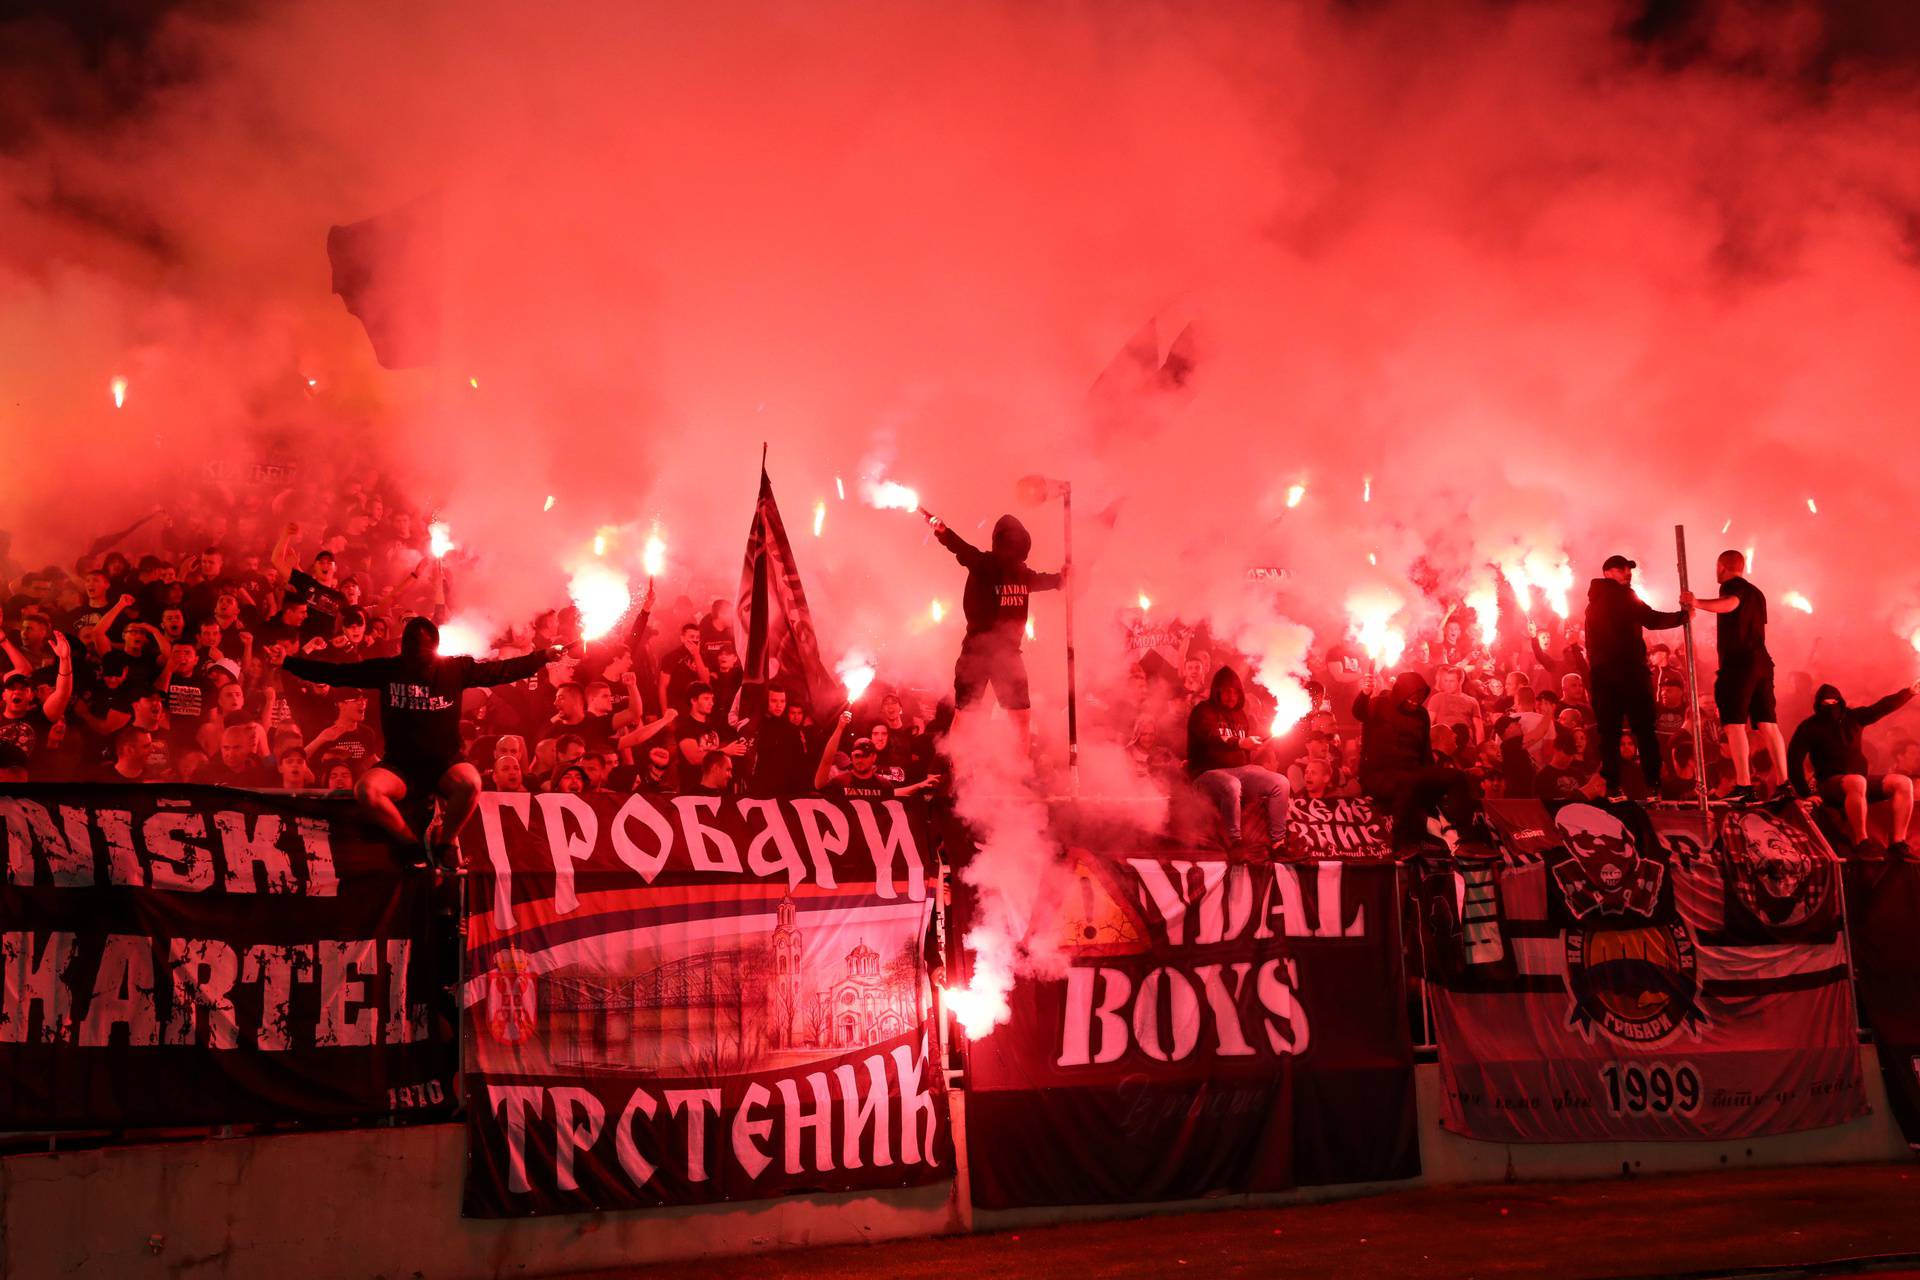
[[1617, 562], [862, 747]]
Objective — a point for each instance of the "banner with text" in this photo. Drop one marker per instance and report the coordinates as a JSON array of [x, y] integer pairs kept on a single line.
[[1621, 976], [1214, 1027], [194, 955], [677, 1001]]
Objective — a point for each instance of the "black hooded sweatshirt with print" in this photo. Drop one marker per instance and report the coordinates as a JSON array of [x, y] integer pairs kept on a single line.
[[1216, 733], [1830, 737], [998, 581]]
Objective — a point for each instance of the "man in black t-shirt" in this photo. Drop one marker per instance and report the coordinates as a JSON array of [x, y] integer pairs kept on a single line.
[[701, 730], [861, 779], [1743, 686], [683, 668]]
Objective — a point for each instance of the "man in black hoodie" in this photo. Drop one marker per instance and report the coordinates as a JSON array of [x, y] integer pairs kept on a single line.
[[1396, 761], [1829, 740], [995, 604], [1219, 743], [1621, 686], [420, 724]]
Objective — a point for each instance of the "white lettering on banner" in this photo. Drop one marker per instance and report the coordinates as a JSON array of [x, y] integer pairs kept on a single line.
[[691, 830], [344, 968], [29, 984], [173, 850], [1099, 1026], [1228, 896], [122, 993], [204, 971], [816, 1114]]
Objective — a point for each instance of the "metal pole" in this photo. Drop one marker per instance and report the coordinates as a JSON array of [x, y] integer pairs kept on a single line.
[[1693, 694], [1073, 696]]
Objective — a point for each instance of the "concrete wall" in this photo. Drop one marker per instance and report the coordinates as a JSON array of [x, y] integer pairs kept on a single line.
[[386, 1203]]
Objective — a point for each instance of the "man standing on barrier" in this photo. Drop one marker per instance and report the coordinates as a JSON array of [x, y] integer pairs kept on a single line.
[[1743, 686], [1829, 742], [420, 723], [1397, 768], [1622, 687]]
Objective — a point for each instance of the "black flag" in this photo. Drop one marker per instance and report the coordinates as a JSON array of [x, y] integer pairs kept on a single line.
[[387, 269], [773, 625]]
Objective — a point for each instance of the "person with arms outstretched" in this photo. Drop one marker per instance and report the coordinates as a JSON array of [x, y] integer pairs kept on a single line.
[[419, 694], [995, 604]]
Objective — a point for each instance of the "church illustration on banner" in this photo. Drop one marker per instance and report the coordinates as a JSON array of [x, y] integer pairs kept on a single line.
[[764, 1001]]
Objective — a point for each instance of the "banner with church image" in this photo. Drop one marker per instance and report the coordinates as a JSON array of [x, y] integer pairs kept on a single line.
[[684, 1001]]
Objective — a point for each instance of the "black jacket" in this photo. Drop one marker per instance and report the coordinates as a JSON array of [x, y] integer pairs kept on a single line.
[[419, 700], [1216, 733], [1830, 737], [1615, 619], [998, 581], [1396, 733]]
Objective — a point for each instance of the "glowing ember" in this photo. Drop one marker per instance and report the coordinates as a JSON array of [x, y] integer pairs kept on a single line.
[[312, 382], [599, 544], [439, 538], [462, 637], [888, 495], [1914, 639], [819, 517], [601, 595], [1728, 525], [1295, 492], [653, 556], [1812, 508], [1029, 628], [840, 488], [1145, 602], [1749, 554], [1373, 559], [549, 505], [474, 383], [1794, 600], [1366, 488], [1371, 612], [937, 611], [856, 674], [119, 393]]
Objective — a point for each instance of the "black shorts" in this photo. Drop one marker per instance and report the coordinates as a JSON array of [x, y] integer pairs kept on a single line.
[[1744, 694], [421, 776], [1833, 793], [985, 660]]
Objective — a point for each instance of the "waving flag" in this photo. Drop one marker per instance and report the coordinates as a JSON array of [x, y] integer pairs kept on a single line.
[[773, 626]]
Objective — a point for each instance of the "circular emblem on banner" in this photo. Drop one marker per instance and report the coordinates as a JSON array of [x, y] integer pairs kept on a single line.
[[512, 1000], [1638, 981]]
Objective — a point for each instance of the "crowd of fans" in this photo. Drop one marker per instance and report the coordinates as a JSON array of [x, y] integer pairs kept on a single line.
[[169, 666]]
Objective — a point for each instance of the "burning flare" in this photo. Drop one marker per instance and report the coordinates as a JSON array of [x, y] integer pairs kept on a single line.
[[889, 495], [549, 505], [982, 1004], [462, 636], [119, 393], [439, 542], [937, 611], [1371, 612], [819, 516], [856, 673], [1145, 602], [1551, 575], [653, 556], [1794, 600], [1295, 492], [1485, 603], [602, 596]]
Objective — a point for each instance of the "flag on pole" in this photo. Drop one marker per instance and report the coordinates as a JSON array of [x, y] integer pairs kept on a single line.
[[773, 627]]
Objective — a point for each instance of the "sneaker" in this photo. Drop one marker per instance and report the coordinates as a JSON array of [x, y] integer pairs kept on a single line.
[[1868, 851], [1742, 795], [1900, 851]]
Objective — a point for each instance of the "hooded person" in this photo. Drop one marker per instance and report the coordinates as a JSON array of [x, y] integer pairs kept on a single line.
[[420, 724], [995, 605], [1829, 741], [1219, 750], [1620, 684], [1397, 768]]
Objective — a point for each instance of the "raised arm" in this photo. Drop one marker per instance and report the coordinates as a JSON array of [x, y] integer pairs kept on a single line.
[[1886, 706], [963, 551], [1652, 619], [825, 769], [56, 703], [484, 675], [368, 673], [1047, 581], [649, 731]]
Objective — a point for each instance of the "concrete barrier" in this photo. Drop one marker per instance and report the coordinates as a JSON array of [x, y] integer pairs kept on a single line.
[[386, 1203]]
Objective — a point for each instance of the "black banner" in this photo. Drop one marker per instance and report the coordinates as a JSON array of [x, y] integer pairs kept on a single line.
[[1883, 900], [195, 955], [1219, 1027]]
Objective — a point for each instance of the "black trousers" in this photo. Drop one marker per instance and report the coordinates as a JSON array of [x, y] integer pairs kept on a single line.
[[1413, 794], [1626, 698]]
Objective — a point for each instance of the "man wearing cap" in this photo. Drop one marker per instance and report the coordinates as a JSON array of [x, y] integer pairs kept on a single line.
[[1743, 685], [1622, 688], [861, 779], [24, 722]]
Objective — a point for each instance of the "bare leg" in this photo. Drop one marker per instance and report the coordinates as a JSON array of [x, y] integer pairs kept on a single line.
[[1900, 796], [459, 797], [1855, 788], [379, 792], [1023, 723], [1776, 752], [1741, 753]]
